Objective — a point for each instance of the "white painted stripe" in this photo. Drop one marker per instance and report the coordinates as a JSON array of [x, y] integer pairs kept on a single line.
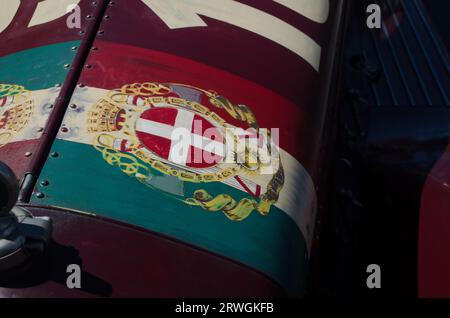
[[298, 196]]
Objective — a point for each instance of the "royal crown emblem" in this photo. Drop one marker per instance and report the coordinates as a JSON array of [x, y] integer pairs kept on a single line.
[[193, 135], [16, 110]]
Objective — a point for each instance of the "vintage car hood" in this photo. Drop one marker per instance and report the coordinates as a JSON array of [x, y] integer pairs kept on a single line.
[[87, 115]]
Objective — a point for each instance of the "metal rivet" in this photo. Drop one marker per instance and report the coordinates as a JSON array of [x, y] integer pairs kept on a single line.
[[101, 32], [88, 66], [66, 65], [81, 32], [40, 129], [64, 129], [58, 85], [88, 17], [74, 48], [54, 154], [50, 106], [111, 3], [94, 3], [81, 85], [73, 106], [28, 154], [40, 195], [94, 48], [45, 183], [106, 17]]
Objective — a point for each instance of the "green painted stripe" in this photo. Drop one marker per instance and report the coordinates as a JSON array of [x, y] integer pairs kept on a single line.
[[38, 68], [80, 179]]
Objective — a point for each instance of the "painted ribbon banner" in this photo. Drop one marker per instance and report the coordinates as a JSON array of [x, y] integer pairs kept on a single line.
[[37, 51], [156, 68]]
